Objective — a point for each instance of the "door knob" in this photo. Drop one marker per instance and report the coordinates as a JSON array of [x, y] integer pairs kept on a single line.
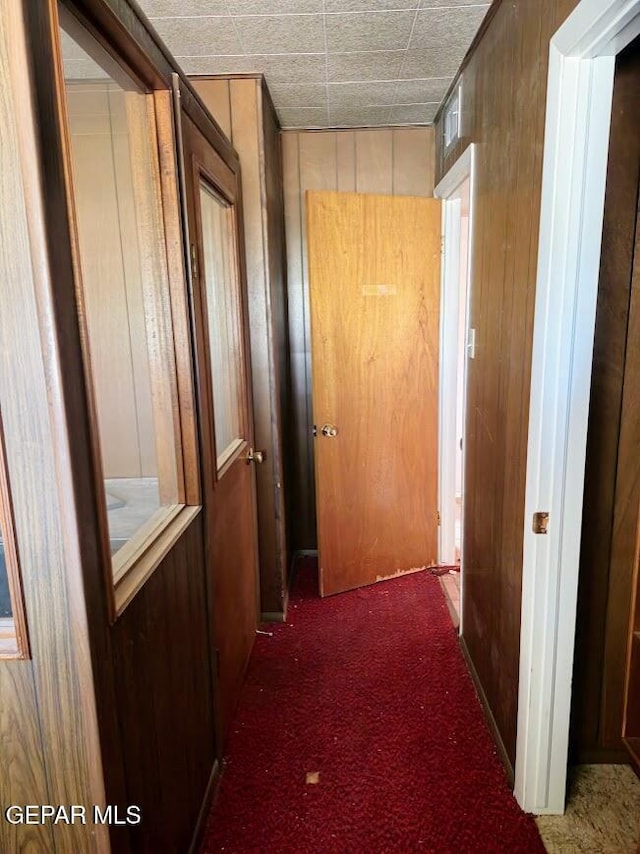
[[256, 456], [329, 431]]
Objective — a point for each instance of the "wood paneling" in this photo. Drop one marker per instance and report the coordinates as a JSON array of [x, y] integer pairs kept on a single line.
[[504, 88], [101, 714], [52, 697], [623, 659], [611, 494], [395, 161], [374, 269], [243, 107], [274, 581], [23, 778], [164, 698]]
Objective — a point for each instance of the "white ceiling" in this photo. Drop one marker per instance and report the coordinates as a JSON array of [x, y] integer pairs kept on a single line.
[[328, 63]]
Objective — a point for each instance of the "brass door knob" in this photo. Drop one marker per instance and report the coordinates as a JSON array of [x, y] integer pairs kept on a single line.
[[256, 456], [329, 431]]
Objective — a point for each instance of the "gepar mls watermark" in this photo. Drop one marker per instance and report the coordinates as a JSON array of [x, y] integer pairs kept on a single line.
[[72, 814]]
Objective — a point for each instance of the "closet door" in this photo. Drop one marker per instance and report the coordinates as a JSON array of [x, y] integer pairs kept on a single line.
[[228, 455]]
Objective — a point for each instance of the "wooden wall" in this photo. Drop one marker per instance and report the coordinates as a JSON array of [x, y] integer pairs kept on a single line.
[[164, 698], [49, 748], [503, 110], [242, 107], [392, 161], [612, 476]]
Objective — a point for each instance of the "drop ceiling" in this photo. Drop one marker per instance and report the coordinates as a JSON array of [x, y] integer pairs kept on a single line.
[[328, 63]]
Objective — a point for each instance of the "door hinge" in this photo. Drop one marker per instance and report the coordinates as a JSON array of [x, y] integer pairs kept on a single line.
[[438, 517], [194, 262], [540, 523], [217, 662]]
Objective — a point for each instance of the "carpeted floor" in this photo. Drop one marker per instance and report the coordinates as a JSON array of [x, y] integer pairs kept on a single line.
[[359, 731]]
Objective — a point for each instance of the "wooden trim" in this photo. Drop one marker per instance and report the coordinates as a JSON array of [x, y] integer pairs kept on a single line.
[[205, 808], [126, 25], [167, 135], [156, 296], [491, 721], [14, 637], [174, 385], [157, 549], [116, 22], [631, 727], [225, 182], [195, 109]]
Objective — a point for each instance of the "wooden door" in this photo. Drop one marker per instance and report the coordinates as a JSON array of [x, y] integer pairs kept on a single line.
[[374, 272], [220, 326]]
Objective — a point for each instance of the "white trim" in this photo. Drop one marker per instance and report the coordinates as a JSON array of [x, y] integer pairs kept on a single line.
[[578, 119], [462, 169], [449, 308]]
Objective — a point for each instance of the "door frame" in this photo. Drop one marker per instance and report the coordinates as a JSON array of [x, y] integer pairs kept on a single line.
[[579, 98], [463, 169]]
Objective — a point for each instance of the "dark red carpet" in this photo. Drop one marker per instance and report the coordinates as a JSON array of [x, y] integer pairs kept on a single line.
[[368, 690]]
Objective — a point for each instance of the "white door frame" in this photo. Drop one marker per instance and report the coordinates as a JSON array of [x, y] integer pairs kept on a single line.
[[462, 169], [578, 119]]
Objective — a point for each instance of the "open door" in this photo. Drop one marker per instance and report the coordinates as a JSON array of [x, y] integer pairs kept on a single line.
[[374, 271], [221, 335]]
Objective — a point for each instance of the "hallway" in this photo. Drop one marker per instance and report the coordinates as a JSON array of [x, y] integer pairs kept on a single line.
[[359, 730]]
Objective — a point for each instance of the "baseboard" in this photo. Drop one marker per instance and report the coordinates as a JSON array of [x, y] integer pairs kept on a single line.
[[273, 617], [205, 808], [495, 732], [600, 756]]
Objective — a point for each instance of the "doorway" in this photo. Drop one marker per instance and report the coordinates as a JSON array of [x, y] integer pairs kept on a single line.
[[457, 345], [579, 96]]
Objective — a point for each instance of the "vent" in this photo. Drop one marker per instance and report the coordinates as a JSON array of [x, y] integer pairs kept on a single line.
[[452, 120]]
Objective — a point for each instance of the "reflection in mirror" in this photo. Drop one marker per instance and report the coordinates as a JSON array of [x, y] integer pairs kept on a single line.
[[223, 316], [123, 289], [6, 611], [13, 627]]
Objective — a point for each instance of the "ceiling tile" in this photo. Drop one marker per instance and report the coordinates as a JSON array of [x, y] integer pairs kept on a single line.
[[70, 47], [361, 94], [199, 36], [434, 62], [204, 65], [83, 69], [291, 68], [359, 117], [274, 7], [422, 91], [434, 4], [301, 117], [372, 65], [183, 8], [281, 33], [375, 31], [444, 27], [369, 5], [299, 95], [411, 114]]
